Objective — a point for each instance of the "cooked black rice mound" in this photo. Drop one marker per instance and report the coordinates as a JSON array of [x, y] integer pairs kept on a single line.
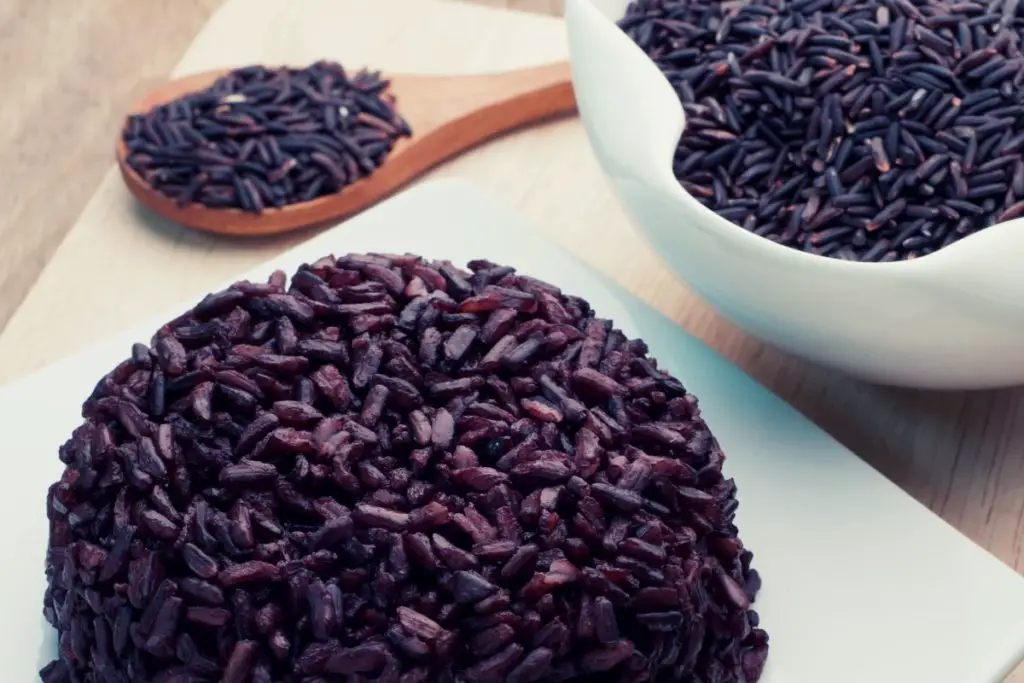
[[396, 470]]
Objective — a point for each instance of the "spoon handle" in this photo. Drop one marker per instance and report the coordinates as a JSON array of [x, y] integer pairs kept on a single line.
[[458, 112]]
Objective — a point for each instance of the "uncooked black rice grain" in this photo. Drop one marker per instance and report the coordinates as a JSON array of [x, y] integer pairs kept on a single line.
[[345, 479], [807, 120], [263, 137]]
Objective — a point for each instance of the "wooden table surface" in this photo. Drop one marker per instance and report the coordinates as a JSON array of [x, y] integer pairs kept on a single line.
[[69, 71]]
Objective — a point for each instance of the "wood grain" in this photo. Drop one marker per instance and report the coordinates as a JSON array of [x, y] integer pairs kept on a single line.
[[961, 454], [69, 69]]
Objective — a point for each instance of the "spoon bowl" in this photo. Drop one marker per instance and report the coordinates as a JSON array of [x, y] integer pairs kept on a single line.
[[952, 320], [448, 115]]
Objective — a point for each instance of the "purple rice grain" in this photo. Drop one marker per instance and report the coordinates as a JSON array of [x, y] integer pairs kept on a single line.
[[375, 511], [261, 138], [918, 102]]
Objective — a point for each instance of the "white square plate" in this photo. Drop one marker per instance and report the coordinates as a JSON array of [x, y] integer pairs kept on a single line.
[[861, 583]]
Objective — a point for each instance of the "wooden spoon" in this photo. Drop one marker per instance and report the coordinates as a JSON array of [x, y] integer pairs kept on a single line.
[[447, 114]]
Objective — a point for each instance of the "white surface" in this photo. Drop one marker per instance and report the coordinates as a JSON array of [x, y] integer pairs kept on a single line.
[[861, 583], [950, 320]]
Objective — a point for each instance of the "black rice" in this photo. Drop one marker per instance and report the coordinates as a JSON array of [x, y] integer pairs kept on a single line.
[[401, 471], [896, 107], [261, 138]]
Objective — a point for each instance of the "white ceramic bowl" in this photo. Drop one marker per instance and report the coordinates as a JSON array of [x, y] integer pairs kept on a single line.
[[951, 320]]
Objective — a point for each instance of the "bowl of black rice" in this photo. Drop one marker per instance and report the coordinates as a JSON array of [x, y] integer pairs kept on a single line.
[[842, 180]]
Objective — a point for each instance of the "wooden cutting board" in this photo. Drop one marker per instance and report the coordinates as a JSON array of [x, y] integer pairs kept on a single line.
[[119, 262]]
